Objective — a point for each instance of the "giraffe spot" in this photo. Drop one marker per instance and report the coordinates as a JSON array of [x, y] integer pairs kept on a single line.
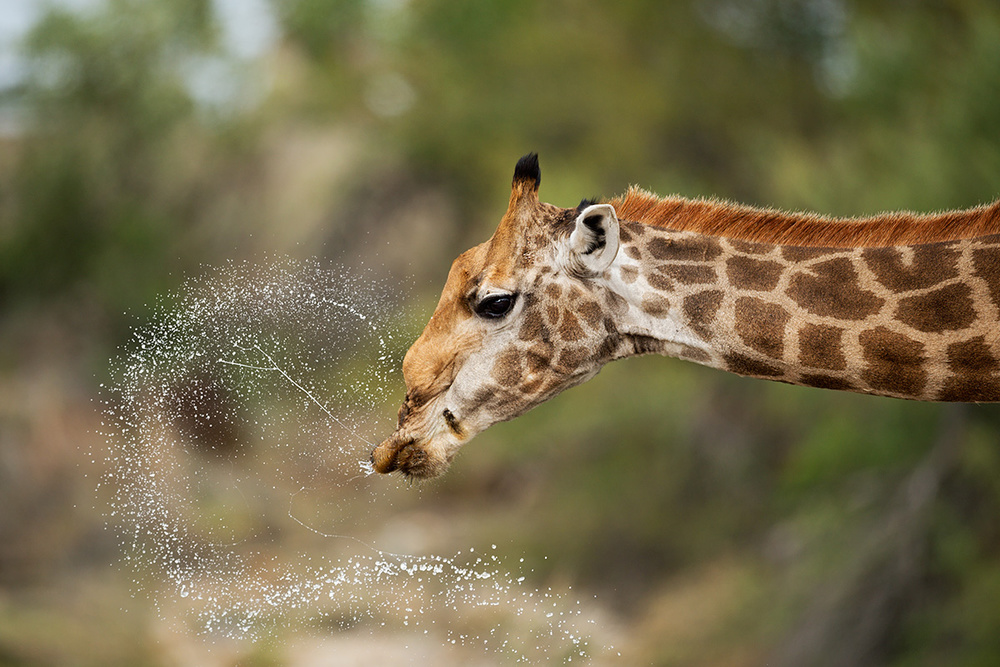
[[660, 247], [615, 303], [689, 274], [660, 282], [481, 398], [575, 294], [761, 325], [804, 254], [820, 346], [986, 265], [533, 328], [636, 228], [624, 235], [633, 252], [746, 273], [947, 309], [750, 248], [552, 314], [629, 274], [895, 363], [826, 382], [974, 373], [591, 313], [688, 248], [507, 368], [744, 365], [553, 291], [695, 355], [609, 347], [655, 305], [830, 289], [972, 356], [571, 358], [505, 401], [538, 358], [569, 329], [701, 309], [928, 265]]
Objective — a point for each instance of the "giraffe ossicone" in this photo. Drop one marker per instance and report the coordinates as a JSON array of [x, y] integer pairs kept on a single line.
[[898, 304]]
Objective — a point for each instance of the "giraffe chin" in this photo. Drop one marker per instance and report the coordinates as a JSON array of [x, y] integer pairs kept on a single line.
[[412, 458]]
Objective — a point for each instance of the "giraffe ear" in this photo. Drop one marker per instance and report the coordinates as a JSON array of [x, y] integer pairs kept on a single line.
[[593, 244]]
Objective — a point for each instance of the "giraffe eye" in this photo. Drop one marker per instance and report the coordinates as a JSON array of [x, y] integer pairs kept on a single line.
[[495, 306]]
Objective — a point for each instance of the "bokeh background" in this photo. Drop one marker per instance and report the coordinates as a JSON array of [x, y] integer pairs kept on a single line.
[[717, 520]]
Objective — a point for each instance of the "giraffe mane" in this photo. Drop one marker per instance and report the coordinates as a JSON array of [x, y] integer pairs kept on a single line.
[[714, 217]]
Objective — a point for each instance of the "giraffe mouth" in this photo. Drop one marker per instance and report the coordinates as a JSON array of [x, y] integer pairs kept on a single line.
[[408, 456]]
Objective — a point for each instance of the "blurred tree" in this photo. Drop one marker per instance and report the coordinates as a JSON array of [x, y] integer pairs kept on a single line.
[[97, 200]]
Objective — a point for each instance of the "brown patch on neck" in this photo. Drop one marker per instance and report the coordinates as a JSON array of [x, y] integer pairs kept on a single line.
[[745, 223]]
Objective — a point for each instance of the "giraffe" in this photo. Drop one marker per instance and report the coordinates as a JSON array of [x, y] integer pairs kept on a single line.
[[898, 304]]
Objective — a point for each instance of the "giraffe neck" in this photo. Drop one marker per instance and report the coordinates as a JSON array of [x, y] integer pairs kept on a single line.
[[911, 321]]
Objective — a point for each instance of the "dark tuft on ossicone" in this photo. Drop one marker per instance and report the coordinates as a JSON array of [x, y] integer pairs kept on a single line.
[[527, 169]]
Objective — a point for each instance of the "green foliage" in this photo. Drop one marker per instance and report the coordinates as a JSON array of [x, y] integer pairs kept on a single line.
[[884, 437], [325, 29], [94, 205]]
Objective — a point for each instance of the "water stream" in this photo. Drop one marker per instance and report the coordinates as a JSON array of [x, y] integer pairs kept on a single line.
[[239, 424]]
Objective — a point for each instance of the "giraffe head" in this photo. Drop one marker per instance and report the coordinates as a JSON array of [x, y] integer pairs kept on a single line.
[[521, 318]]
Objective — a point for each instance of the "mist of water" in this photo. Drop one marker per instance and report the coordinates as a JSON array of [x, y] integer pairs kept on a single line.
[[239, 425]]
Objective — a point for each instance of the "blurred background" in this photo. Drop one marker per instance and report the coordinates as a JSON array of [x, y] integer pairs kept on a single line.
[[717, 520]]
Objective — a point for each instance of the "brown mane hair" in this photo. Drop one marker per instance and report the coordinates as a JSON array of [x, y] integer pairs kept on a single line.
[[759, 225]]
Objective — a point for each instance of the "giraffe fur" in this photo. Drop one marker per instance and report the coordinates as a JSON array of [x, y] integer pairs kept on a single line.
[[900, 305]]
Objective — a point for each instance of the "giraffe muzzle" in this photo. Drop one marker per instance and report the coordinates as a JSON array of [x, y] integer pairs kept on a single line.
[[386, 456], [410, 457]]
